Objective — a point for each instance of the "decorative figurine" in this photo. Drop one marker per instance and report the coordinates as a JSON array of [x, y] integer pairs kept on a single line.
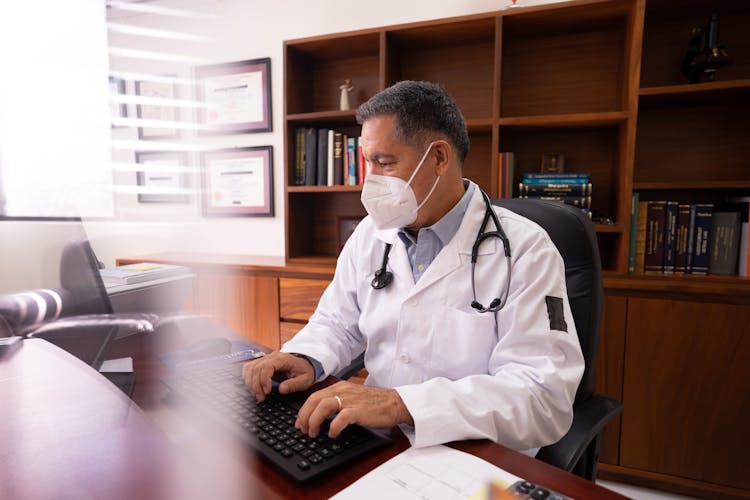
[[705, 54], [345, 89]]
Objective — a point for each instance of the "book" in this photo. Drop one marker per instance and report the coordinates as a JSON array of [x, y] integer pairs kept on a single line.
[[361, 166], [576, 201], [670, 236], [701, 238], [640, 237], [556, 177], [655, 222], [311, 156], [351, 151], [725, 243], [744, 257], [554, 189], [299, 157], [140, 272], [633, 232], [322, 160], [338, 158], [683, 223], [329, 159]]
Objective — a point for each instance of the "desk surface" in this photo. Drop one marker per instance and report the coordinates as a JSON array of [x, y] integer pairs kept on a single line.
[[68, 433]]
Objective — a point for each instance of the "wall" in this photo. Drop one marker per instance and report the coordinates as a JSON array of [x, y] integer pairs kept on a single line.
[[236, 30]]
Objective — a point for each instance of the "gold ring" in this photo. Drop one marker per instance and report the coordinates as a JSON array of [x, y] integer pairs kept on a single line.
[[338, 400]]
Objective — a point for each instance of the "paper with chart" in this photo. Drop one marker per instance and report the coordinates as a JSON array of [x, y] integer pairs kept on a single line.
[[434, 473]]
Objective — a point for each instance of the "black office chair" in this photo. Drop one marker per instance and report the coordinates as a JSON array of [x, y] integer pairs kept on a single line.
[[573, 233]]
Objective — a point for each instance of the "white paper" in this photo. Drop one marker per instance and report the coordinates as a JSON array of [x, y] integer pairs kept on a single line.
[[119, 365], [433, 473]]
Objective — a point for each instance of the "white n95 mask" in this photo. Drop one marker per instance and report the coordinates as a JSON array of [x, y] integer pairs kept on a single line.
[[390, 201]]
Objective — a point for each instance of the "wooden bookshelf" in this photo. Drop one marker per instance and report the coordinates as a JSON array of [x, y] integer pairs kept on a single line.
[[599, 81]]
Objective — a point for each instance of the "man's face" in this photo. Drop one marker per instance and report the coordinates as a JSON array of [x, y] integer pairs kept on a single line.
[[388, 156]]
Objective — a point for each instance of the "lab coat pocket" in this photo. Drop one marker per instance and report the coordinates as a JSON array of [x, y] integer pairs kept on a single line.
[[462, 343]]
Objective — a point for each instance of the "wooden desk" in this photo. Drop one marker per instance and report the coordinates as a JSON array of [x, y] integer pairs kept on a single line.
[[68, 433]]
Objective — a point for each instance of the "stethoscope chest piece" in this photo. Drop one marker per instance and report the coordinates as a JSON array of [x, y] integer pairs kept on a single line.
[[382, 279]]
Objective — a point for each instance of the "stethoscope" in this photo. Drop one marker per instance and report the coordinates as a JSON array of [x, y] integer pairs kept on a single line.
[[383, 277]]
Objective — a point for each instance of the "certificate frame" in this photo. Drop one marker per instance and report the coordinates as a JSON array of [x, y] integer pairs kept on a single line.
[[173, 180], [345, 225], [167, 113], [236, 97], [238, 182]]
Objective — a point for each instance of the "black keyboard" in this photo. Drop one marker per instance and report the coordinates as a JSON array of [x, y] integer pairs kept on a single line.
[[268, 427]]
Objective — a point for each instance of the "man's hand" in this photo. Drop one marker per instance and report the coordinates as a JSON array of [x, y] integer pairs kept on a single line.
[[300, 374], [355, 404]]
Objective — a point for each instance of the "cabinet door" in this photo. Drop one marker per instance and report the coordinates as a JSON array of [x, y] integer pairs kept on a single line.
[[248, 305], [608, 372], [687, 390], [298, 298]]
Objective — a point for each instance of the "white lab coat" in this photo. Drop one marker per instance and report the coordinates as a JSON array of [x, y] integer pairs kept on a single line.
[[462, 374]]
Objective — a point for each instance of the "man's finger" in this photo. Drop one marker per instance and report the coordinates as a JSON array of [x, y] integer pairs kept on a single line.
[[346, 417], [326, 407]]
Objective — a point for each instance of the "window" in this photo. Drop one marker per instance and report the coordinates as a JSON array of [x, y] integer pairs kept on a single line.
[[55, 155]]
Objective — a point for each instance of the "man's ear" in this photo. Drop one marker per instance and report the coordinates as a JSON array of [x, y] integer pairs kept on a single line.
[[443, 154]]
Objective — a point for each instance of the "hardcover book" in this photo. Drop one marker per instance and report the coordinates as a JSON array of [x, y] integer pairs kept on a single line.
[[633, 232], [701, 238], [683, 223], [640, 237], [670, 236], [322, 160], [554, 189], [725, 243], [311, 156], [338, 158], [655, 222]]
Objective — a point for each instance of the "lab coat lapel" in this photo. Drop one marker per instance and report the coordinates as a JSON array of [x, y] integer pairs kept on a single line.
[[458, 250]]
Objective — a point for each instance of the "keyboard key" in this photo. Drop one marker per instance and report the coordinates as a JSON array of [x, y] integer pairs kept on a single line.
[[303, 464]]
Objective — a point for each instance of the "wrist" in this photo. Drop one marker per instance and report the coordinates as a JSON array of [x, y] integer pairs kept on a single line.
[[402, 412]]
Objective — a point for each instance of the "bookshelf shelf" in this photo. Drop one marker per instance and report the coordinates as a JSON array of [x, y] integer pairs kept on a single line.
[[604, 119], [347, 116], [690, 185], [694, 94], [324, 189]]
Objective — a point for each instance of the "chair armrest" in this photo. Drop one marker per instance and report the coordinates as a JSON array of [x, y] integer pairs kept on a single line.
[[126, 324], [354, 367], [589, 418]]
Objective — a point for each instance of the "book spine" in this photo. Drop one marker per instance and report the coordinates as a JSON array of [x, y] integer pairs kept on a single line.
[[633, 232], [725, 243], [566, 175], [744, 255], [299, 156], [576, 201], [311, 156], [640, 237], [655, 221], [338, 158], [670, 235], [329, 159], [554, 189], [351, 152], [322, 161], [701, 247], [683, 224], [560, 180]]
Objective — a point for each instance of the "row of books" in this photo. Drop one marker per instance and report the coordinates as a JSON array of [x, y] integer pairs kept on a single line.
[[668, 237], [324, 157], [571, 188]]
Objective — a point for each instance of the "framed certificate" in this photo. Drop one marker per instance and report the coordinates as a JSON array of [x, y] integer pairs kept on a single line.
[[153, 111], [236, 97], [238, 182], [163, 178]]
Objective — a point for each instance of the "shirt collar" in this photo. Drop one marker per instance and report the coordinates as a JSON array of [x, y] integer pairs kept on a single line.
[[448, 225]]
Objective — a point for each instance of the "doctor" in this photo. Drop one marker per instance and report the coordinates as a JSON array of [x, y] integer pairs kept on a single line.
[[453, 350]]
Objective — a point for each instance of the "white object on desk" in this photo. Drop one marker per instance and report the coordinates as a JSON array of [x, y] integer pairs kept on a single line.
[[164, 295], [435, 472]]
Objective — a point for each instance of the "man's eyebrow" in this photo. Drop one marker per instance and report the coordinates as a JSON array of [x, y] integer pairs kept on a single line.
[[381, 156]]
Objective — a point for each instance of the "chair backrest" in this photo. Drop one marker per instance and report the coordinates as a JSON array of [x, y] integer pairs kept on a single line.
[[573, 234], [79, 275]]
